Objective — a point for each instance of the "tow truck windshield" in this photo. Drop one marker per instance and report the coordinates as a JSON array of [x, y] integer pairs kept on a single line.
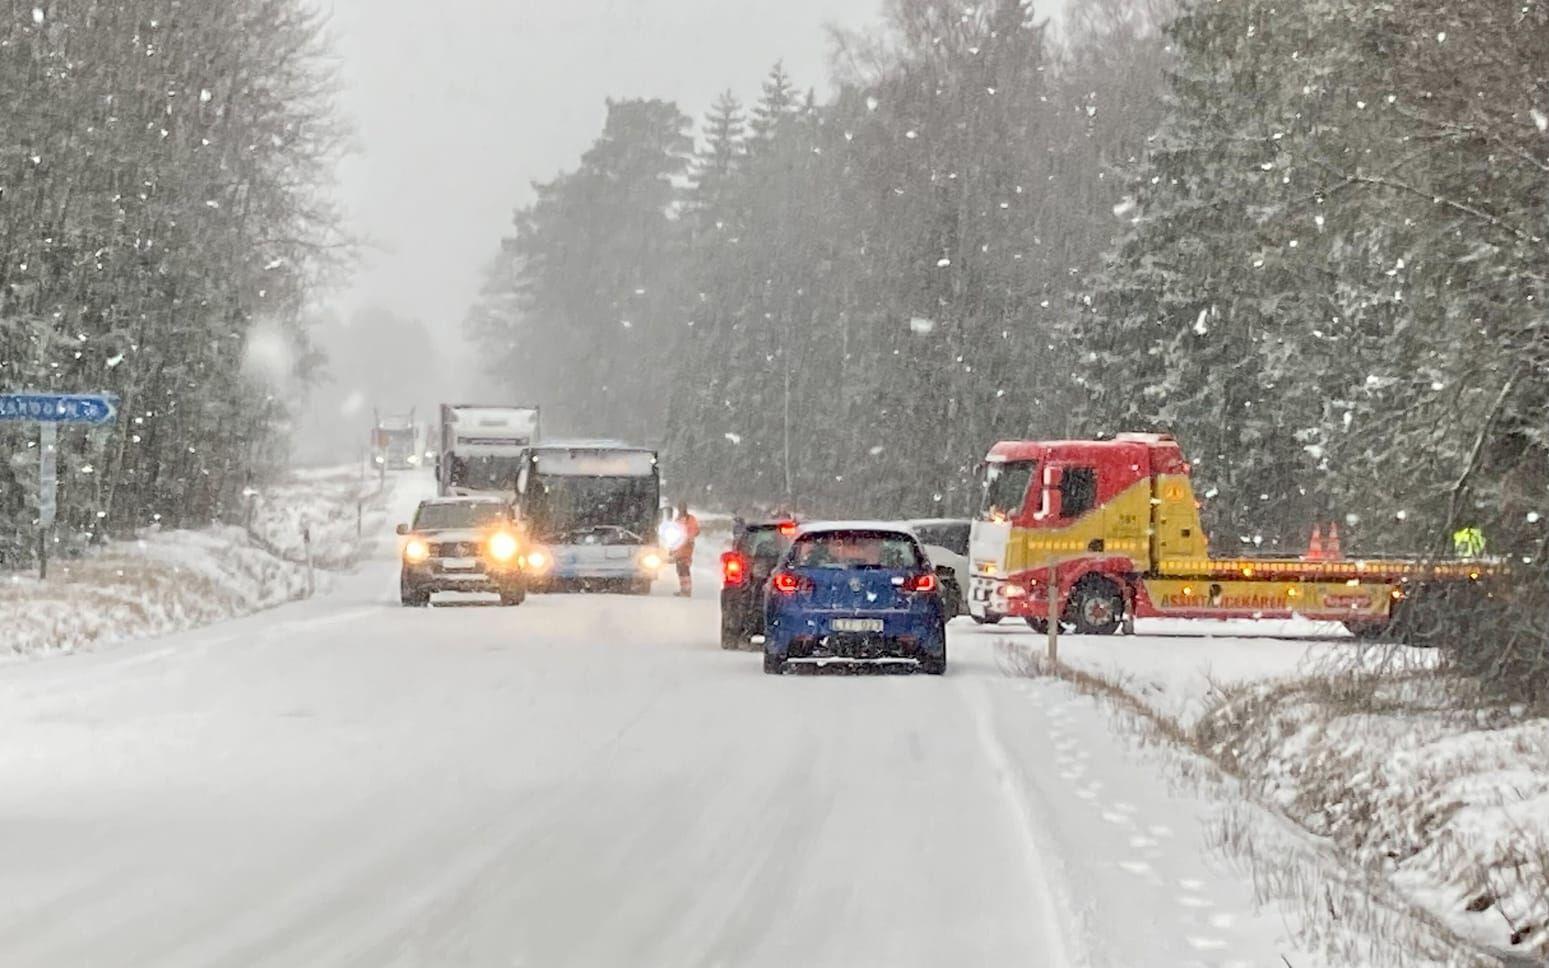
[[1005, 486], [461, 514]]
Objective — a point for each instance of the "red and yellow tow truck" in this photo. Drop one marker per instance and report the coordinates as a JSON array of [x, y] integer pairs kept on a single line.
[[1117, 524]]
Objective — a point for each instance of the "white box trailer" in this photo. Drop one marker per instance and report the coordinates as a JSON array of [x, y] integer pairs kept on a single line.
[[482, 447]]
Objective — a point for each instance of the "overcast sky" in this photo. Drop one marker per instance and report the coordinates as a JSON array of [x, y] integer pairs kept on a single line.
[[460, 104]]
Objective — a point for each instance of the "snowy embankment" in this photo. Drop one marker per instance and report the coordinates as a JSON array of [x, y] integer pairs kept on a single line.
[[166, 581], [1356, 746], [1454, 808]]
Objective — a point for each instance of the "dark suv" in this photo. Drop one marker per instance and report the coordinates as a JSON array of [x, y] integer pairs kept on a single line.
[[756, 549], [462, 544]]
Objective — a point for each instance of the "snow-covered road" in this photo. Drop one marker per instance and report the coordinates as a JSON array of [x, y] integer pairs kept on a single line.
[[581, 781]]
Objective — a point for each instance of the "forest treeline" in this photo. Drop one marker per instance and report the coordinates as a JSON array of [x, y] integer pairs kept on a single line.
[[836, 303], [1307, 239], [165, 213]]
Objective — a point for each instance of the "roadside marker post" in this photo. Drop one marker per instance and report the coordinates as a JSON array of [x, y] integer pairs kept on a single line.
[[48, 411]]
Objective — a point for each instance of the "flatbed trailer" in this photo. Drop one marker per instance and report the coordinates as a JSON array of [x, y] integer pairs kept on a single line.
[[1117, 525]]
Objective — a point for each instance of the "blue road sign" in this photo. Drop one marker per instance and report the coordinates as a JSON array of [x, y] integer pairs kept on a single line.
[[78, 408]]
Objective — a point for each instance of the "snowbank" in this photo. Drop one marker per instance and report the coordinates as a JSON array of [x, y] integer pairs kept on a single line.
[[1453, 807], [1358, 745], [336, 507], [1182, 669], [169, 581]]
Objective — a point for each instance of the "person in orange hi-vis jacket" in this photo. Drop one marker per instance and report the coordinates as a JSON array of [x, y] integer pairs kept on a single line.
[[683, 554]]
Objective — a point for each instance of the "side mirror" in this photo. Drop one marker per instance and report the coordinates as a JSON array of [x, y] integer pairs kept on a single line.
[[403, 529]]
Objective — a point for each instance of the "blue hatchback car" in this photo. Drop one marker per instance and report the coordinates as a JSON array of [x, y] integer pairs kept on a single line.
[[858, 591]]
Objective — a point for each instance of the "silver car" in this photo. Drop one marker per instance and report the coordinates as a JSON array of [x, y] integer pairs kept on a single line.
[[945, 540]]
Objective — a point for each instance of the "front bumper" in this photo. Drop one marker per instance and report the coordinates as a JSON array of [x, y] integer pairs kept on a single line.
[[1015, 597], [617, 563], [432, 575]]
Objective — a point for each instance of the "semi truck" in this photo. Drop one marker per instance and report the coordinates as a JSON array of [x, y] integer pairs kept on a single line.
[[394, 442], [482, 447], [1114, 527]]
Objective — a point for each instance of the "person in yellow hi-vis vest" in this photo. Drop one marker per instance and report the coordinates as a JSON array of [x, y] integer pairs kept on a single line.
[[1468, 542]]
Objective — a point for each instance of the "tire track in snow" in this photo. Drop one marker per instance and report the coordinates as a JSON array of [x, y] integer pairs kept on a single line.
[[1064, 951]]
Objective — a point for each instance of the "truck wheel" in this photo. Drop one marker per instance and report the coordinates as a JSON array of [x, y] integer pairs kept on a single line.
[[1098, 606], [413, 597], [731, 635], [934, 665], [773, 665], [641, 587], [1039, 625], [988, 618], [513, 596]]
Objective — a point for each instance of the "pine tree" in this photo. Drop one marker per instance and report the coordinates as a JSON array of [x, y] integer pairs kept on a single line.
[[586, 285]]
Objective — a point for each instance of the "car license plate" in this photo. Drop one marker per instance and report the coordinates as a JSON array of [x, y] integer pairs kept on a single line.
[[856, 625], [459, 564]]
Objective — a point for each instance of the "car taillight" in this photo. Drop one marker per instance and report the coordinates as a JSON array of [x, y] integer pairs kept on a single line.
[[788, 584], [734, 569], [920, 583], [788, 528]]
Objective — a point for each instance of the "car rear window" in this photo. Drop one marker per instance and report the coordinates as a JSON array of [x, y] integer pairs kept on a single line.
[[856, 549], [470, 514], [764, 543]]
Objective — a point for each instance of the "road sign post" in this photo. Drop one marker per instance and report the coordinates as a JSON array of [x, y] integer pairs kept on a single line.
[[48, 489], [48, 411]]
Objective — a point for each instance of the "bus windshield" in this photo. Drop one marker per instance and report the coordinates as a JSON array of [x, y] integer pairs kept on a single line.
[[556, 506]]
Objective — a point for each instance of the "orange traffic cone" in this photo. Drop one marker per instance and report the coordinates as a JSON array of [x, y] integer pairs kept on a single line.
[[1315, 546], [1333, 541]]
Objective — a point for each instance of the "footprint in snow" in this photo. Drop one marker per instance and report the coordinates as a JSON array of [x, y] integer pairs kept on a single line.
[[1159, 831], [1123, 807], [1114, 817], [1141, 842], [1137, 867], [1087, 794], [1222, 921], [1190, 901], [1191, 884], [1207, 944]]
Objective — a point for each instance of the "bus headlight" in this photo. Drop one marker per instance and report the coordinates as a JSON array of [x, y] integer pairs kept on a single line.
[[502, 547], [651, 560], [538, 560], [416, 551], [414, 460]]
